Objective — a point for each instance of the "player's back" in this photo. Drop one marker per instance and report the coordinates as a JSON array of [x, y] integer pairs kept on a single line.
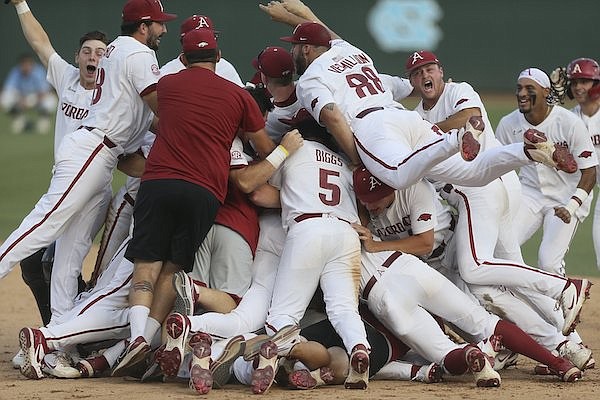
[[316, 180], [350, 77]]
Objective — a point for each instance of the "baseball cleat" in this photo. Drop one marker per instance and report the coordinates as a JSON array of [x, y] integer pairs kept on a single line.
[[131, 357], [33, 344], [468, 138], [575, 293], [358, 373], [153, 373], [566, 371], [264, 374], [538, 148], [578, 354], [304, 379], [220, 368], [431, 373], [480, 367], [92, 367], [185, 298], [505, 359], [177, 328], [591, 364], [18, 359], [201, 379], [59, 365], [285, 338]]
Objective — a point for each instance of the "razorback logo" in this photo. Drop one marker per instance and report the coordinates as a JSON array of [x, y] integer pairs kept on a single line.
[[585, 154], [424, 217], [314, 103], [416, 57], [460, 102]]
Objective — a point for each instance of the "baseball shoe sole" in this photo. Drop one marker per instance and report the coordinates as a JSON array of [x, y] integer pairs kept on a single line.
[[468, 141], [201, 379], [578, 354], [221, 367], [480, 367], [184, 289], [571, 301], [264, 374], [358, 374], [132, 356], [565, 370], [177, 327], [304, 379], [18, 359], [431, 373], [285, 339], [538, 148], [33, 345]]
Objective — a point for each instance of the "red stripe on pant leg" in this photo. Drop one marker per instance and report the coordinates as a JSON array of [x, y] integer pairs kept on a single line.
[[58, 203], [96, 300], [88, 331], [391, 167], [102, 250]]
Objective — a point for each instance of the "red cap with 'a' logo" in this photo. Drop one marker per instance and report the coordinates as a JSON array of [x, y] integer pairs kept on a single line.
[[145, 10], [196, 22], [369, 189], [420, 58]]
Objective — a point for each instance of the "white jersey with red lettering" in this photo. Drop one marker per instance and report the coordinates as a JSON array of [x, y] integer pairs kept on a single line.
[[223, 68], [563, 127], [73, 99], [127, 70], [321, 183], [321, 247]]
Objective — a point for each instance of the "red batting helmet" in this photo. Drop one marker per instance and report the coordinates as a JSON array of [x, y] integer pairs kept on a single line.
[[583, 68], [369, 189]]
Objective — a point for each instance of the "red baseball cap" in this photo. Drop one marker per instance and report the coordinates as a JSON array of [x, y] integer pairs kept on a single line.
[[196, 22], [199, 39], [274, 62], [145, 10], [369, 189], [309, 33], [420, 58]]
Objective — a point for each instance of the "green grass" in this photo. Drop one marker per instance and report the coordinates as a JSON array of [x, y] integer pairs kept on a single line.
[[26, 162]]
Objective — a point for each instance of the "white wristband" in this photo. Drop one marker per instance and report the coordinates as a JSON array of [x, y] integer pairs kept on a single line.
[[576, 200], [22, 8], [277, 156]]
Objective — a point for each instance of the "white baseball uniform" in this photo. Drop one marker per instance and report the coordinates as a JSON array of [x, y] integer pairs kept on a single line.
[[544, 188], [280, 118], [321, 246], [396, 145], [593, 125]]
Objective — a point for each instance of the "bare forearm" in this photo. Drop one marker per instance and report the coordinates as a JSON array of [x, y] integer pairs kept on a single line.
[[588, 179], [248, 179], [458, 120], [36, 36], [333, 119]]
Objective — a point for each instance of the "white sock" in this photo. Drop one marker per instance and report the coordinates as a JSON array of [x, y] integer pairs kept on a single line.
[[112, 353], [138, 315], [152, 326]]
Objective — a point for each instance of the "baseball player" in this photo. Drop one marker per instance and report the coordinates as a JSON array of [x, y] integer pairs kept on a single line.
[[340, 87], [407, 221], [584, 88], [121, 208], [87, 157], [551, 198]]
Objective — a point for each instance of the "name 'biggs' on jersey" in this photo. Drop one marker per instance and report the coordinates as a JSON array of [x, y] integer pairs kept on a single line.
[[326, 157], [349, 62]]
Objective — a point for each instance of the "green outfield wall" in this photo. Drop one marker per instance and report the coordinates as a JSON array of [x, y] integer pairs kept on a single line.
[[484, 42]]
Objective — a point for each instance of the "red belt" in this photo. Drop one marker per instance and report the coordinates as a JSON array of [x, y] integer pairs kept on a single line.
[[368, 111], [107, 142], [373, 280], [303, 217]]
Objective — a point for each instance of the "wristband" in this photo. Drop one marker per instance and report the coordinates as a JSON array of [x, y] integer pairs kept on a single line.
[[576, 200], [22, 8], [277, 156]]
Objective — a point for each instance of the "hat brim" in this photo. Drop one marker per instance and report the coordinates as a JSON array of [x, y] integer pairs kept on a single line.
[[289, 39], [166, 18], [255, 64]]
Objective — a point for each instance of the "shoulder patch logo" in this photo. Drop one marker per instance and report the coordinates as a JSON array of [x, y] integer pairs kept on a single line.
[[585, 154], [155, 69], [314, 103], [424, 217]]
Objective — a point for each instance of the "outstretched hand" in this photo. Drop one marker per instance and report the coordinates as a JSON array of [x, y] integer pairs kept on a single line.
[[276, 11], [296, 7]]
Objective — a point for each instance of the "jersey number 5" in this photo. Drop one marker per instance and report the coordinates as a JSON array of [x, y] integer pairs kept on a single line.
[[333, 197], [368, 81], [98, 89]]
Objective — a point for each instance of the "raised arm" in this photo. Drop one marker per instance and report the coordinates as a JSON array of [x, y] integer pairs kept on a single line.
[[34, 33]]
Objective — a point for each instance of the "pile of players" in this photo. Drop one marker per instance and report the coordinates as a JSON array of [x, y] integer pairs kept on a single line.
[[319, 210]]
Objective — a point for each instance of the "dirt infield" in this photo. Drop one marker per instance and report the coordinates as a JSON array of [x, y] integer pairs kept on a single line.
[[18, 310]]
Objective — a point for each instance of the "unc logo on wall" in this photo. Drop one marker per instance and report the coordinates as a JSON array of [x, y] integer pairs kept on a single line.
[[404, 25]]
